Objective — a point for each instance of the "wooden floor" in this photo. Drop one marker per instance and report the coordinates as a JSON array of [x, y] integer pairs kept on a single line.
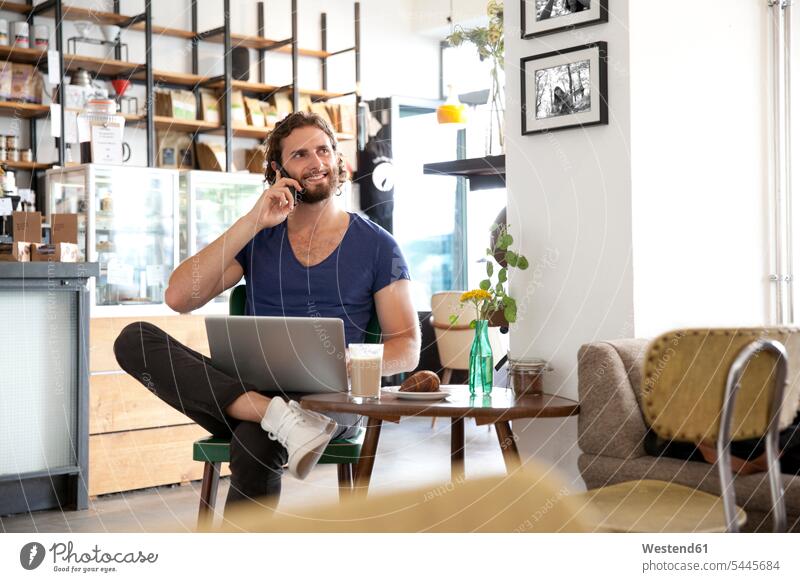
[[410, 454]]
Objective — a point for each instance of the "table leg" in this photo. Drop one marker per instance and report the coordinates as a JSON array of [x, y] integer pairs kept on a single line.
[[456, 449], [367, 458], [508, 444]]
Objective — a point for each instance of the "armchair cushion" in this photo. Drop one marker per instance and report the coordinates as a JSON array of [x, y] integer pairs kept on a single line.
[[611, 421]]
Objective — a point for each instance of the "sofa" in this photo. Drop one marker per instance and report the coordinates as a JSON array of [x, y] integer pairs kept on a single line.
[[611, 432]]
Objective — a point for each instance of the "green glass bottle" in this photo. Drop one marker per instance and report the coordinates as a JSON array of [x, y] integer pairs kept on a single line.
[[481, 362]]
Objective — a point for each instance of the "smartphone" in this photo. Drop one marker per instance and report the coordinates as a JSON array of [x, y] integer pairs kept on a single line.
[[298, 196]]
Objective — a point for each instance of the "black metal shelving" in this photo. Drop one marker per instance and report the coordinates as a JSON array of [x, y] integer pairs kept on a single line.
[[145, 74]]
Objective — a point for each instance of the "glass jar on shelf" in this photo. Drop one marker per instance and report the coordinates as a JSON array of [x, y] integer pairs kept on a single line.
[[106, 204]]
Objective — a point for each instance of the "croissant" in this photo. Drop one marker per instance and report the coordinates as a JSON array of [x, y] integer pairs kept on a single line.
[[424, 381]]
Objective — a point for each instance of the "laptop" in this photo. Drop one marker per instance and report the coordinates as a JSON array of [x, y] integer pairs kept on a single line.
[[280, 354]]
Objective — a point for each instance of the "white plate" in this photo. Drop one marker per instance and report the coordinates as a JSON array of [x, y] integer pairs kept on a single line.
[[395, 391]]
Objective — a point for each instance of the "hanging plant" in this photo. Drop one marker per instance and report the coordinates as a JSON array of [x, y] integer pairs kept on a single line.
[[490, 44]]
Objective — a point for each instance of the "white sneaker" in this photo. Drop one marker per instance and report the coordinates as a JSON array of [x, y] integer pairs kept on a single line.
[[304, 433]]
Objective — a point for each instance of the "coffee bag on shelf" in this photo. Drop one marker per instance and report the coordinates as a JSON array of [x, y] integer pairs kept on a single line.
[[270, 113], [238, 114], [283, 105], [209, 106], [175, 150], [26, 84], [176, 103], [321, 110], [255, 116]]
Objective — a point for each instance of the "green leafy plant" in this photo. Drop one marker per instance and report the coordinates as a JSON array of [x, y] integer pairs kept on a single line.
[[491, 296]]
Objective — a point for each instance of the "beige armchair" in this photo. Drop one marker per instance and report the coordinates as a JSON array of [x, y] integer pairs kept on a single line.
[[612, 426]]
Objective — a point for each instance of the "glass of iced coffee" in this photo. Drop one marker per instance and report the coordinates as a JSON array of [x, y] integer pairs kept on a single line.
[[365, 370]]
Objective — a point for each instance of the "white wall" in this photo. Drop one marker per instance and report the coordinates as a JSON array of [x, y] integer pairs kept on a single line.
[[658, 220], [570, 214], [392, 51], [699, 104], [430, 16]]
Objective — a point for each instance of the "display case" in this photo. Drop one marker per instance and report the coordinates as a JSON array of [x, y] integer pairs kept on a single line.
[[210, 203], [127, 222]]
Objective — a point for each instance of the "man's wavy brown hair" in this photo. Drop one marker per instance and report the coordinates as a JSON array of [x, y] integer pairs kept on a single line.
[[286, 126]]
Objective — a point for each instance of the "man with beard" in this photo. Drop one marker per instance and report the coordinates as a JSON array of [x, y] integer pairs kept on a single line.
[[302, 259]]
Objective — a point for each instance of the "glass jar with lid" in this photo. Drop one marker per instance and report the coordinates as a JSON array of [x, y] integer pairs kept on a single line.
[[526, 375]]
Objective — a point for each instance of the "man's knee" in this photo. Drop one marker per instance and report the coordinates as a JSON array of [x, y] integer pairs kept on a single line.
[[130, 344]]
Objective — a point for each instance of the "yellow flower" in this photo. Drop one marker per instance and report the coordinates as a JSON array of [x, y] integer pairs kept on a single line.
[[475, 294]]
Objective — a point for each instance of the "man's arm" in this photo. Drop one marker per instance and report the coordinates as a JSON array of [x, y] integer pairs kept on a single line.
[[399, 327], [205, 275], [200, 278]]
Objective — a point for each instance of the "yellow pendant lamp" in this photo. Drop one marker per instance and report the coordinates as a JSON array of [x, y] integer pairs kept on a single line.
[[452, 111]]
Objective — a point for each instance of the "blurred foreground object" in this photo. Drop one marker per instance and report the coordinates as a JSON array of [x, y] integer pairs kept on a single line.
[[530, 500]]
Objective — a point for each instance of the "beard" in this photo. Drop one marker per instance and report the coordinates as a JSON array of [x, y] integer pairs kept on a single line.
[[320, 190]]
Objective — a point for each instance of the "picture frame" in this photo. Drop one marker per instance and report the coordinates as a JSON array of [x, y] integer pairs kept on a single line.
[[565, 88], [543, 17]]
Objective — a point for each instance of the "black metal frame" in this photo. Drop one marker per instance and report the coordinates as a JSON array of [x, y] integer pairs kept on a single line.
[[602, 17], [599, 93]]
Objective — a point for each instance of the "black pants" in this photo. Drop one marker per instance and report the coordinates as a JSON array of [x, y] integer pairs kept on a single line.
[[187, 381], [788, 445]]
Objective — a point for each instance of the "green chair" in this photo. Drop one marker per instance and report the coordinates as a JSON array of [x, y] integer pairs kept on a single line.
[[214, 451]]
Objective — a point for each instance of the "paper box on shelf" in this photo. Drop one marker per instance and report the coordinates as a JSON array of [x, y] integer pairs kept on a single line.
[[27, 231], [335, 115], [282, 103], [238, 113], [209, 106], [321, 110], [255, 160], [63, 247], [176, 103], [270, 113], [347, 117], [255, 116], [211, 156]]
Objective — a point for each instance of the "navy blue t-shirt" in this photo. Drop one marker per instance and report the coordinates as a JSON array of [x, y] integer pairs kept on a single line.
[[342, 285]]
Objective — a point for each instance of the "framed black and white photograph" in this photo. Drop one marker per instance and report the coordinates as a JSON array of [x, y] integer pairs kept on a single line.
[[541, 17], [566, 88]]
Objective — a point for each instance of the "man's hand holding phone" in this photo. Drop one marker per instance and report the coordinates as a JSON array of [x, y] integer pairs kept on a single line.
[[276, 203]]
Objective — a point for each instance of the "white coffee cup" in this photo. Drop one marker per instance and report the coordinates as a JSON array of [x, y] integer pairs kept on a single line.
[[366, 364]]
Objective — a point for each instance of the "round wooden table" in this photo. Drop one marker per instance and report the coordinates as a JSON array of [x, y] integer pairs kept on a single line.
[[499, 409]]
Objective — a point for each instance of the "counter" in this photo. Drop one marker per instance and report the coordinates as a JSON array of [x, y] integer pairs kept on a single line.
[[44, 309]]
